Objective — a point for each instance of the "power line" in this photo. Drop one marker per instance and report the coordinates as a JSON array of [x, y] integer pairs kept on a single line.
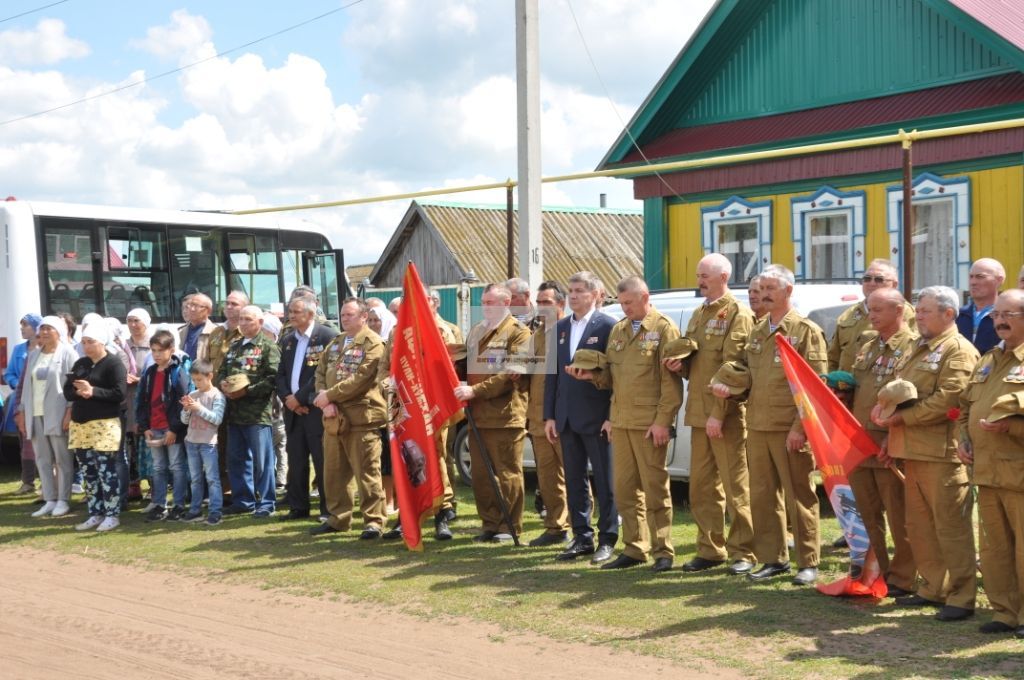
[[180, 68], [32, 11], [611, 103]]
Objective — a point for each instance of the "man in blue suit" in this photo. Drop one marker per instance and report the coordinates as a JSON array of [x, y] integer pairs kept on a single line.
[[576, 414], [974, 320]]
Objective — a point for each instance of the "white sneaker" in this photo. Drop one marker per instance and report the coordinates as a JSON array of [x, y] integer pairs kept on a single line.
[[77, 488], [60, 509], [108, 524], [47, 508], [91, 523]]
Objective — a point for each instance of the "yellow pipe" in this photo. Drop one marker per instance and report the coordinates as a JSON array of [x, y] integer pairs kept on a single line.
[[902, 137]]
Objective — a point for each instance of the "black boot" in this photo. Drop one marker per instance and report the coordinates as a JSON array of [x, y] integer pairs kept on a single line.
[[394, 532], [441, 530]]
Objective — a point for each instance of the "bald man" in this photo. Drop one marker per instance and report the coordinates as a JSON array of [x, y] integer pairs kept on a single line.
[[974, 320]]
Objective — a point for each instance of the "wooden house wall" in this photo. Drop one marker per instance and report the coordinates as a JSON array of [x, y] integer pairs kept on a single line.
[[997, 223], [431, 256]]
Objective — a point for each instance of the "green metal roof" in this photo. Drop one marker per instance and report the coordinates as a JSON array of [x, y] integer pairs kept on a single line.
[[752, 58]]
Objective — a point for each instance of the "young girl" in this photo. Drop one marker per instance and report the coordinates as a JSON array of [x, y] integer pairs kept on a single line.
[[203, 411]]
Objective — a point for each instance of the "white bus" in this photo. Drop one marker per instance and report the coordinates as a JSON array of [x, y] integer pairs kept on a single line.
[[57, 257]]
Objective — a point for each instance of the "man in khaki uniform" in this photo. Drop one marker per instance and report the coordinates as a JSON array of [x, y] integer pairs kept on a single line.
[[451, 335], [223, 336], [646, 397], [718, 455], [497, 402], [354, 411], [780, 463], [924, 437], [992, 439], [547, 454], [754, 297], [853, 328], [876, 487]]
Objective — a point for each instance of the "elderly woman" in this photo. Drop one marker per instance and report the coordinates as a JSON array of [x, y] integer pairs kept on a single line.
[[96, 388], [12, 376], [44, 414], [381, 321]]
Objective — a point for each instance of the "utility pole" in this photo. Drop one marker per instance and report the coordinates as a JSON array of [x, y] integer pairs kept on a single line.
[[531, 246]]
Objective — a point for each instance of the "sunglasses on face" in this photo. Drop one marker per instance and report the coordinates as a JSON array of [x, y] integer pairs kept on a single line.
[[877, 279]]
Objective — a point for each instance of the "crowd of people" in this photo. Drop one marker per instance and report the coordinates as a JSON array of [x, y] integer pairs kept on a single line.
[[233, 415]]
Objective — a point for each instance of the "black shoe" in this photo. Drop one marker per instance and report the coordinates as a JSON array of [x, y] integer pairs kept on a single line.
[[485, 537], [661, 564], [896, 591], [392, 533], [370, 533], [235, 510], [1019, 633], [578, 547], [156, 514], [700, 564], [768, 571], [294, 514], [740, 567], [805, 576], [917, 601], [549, 539], [840, 543], [449, 515], [322, 529], [441, 530], [623, 561], [951, 613], [604, 553], [995, 627]]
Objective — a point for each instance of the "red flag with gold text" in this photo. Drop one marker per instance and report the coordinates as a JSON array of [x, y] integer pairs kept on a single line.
[[424, 398], [839, 444]]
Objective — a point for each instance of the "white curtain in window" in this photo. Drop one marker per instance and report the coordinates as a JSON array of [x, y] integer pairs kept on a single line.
[[933, 242]]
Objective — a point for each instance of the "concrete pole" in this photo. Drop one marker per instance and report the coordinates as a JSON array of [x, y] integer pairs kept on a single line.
[[531, 246]]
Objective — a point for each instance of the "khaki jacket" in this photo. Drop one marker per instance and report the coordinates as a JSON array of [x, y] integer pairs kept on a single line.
[[770, 405], [853, 329], [720, 330], [998, 456], [220, 341], [940, 369], [499, 400], [644, 392], [874, 366], [535, 408], [349, 374]]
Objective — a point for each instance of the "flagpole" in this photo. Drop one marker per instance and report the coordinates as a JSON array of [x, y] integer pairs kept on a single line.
[[491, 475]]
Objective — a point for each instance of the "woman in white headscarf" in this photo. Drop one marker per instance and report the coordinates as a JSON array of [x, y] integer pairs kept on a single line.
[[136, 348], [46, 414], [381, 321]]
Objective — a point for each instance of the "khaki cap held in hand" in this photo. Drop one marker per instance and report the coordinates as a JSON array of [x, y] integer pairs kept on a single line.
[[734, 376], [237, 382], [589, 360], [680, 348], [895, 394], [1007, 405]]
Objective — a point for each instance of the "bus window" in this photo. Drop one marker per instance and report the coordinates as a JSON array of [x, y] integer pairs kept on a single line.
[[69, 270], [195, 265], [254, 268], [291, 269], [135, 272]]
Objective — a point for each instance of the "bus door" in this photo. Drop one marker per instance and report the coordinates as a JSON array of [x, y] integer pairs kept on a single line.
[[325, 272]]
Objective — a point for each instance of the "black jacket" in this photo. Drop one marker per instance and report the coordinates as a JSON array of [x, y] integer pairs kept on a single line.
[[318, 341], [109, 381]]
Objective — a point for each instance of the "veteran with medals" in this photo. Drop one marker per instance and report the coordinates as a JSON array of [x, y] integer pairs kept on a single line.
[[924, 436], [992, 440], [780, 463]]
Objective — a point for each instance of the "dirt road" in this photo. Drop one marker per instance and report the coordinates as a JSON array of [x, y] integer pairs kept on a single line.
[[67, 616]]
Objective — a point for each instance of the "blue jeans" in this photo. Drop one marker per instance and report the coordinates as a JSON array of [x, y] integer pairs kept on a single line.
[[172, 456], [251, 466], [202, 463]]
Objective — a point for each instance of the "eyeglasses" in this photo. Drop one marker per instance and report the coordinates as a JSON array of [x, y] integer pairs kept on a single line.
[[1006, 315], [877, 279]]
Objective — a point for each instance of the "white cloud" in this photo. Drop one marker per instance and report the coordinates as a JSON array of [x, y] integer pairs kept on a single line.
[[47, 43], [187, 38]]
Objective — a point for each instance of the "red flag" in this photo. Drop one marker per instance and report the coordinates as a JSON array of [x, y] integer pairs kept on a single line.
[[839, 444], [424, 399]]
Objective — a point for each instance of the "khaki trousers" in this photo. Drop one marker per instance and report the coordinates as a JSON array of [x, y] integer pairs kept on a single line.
[[1002, 552], [879, 494], [642, 494], [719, 481], [781, 485], [551, 481], [441, 444], [941, 535], [352, 460], [505, 446]]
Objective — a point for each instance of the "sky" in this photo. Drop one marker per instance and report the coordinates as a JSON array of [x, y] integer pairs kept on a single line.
[[377, 97]]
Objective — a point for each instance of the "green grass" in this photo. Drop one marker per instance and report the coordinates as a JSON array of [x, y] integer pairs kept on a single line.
[[700, 621]]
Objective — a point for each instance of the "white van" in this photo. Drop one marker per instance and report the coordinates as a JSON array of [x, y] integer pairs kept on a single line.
[[821, 302]]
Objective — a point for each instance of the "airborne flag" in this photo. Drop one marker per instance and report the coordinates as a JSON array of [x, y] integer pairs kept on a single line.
[[424, 382], [839, 444]]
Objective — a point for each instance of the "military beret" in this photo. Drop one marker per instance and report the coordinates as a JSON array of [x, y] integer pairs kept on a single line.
[[840, 380]]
